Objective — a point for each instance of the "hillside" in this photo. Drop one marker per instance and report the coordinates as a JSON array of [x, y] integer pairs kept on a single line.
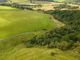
[[15, 48], [28, 1], [39, 35], [66, 38], [17, 26], [14, 21], [19, 1], [63, 38], [22, 53]]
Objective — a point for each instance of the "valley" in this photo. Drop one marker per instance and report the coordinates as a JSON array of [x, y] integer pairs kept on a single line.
[[39, 32]]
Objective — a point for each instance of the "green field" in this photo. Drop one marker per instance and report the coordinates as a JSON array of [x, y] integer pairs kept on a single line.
[[25, 1], [22, 53], [59, 0], [17, 24], [20, 1], [6, 8], [13, 21]]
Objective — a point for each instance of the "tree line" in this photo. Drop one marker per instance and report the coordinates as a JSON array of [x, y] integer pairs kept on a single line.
[[64, 38]]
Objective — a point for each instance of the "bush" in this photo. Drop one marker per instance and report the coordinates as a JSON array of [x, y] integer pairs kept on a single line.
[[63, 38], [53, 53]]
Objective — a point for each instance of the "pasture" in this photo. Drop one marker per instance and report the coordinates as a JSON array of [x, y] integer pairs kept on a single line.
[[22, 53], [14, 21]]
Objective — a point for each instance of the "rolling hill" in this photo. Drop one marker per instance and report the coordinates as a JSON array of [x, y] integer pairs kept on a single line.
[[28, 1], [16, 26], [14, 21], [19, 1]]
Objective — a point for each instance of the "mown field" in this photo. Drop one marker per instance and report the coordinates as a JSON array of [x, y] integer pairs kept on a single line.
[[14, 21]]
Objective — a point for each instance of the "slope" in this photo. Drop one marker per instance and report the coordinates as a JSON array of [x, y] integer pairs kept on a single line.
[[14, 21]]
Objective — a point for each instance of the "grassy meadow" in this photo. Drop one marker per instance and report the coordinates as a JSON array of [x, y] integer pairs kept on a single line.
[[19, 1], [19, 25], [14, 21], [6, 8], [22, 53]]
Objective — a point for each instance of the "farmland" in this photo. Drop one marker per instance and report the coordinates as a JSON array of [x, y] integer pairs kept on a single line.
[[16, 21], [27, 34]]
